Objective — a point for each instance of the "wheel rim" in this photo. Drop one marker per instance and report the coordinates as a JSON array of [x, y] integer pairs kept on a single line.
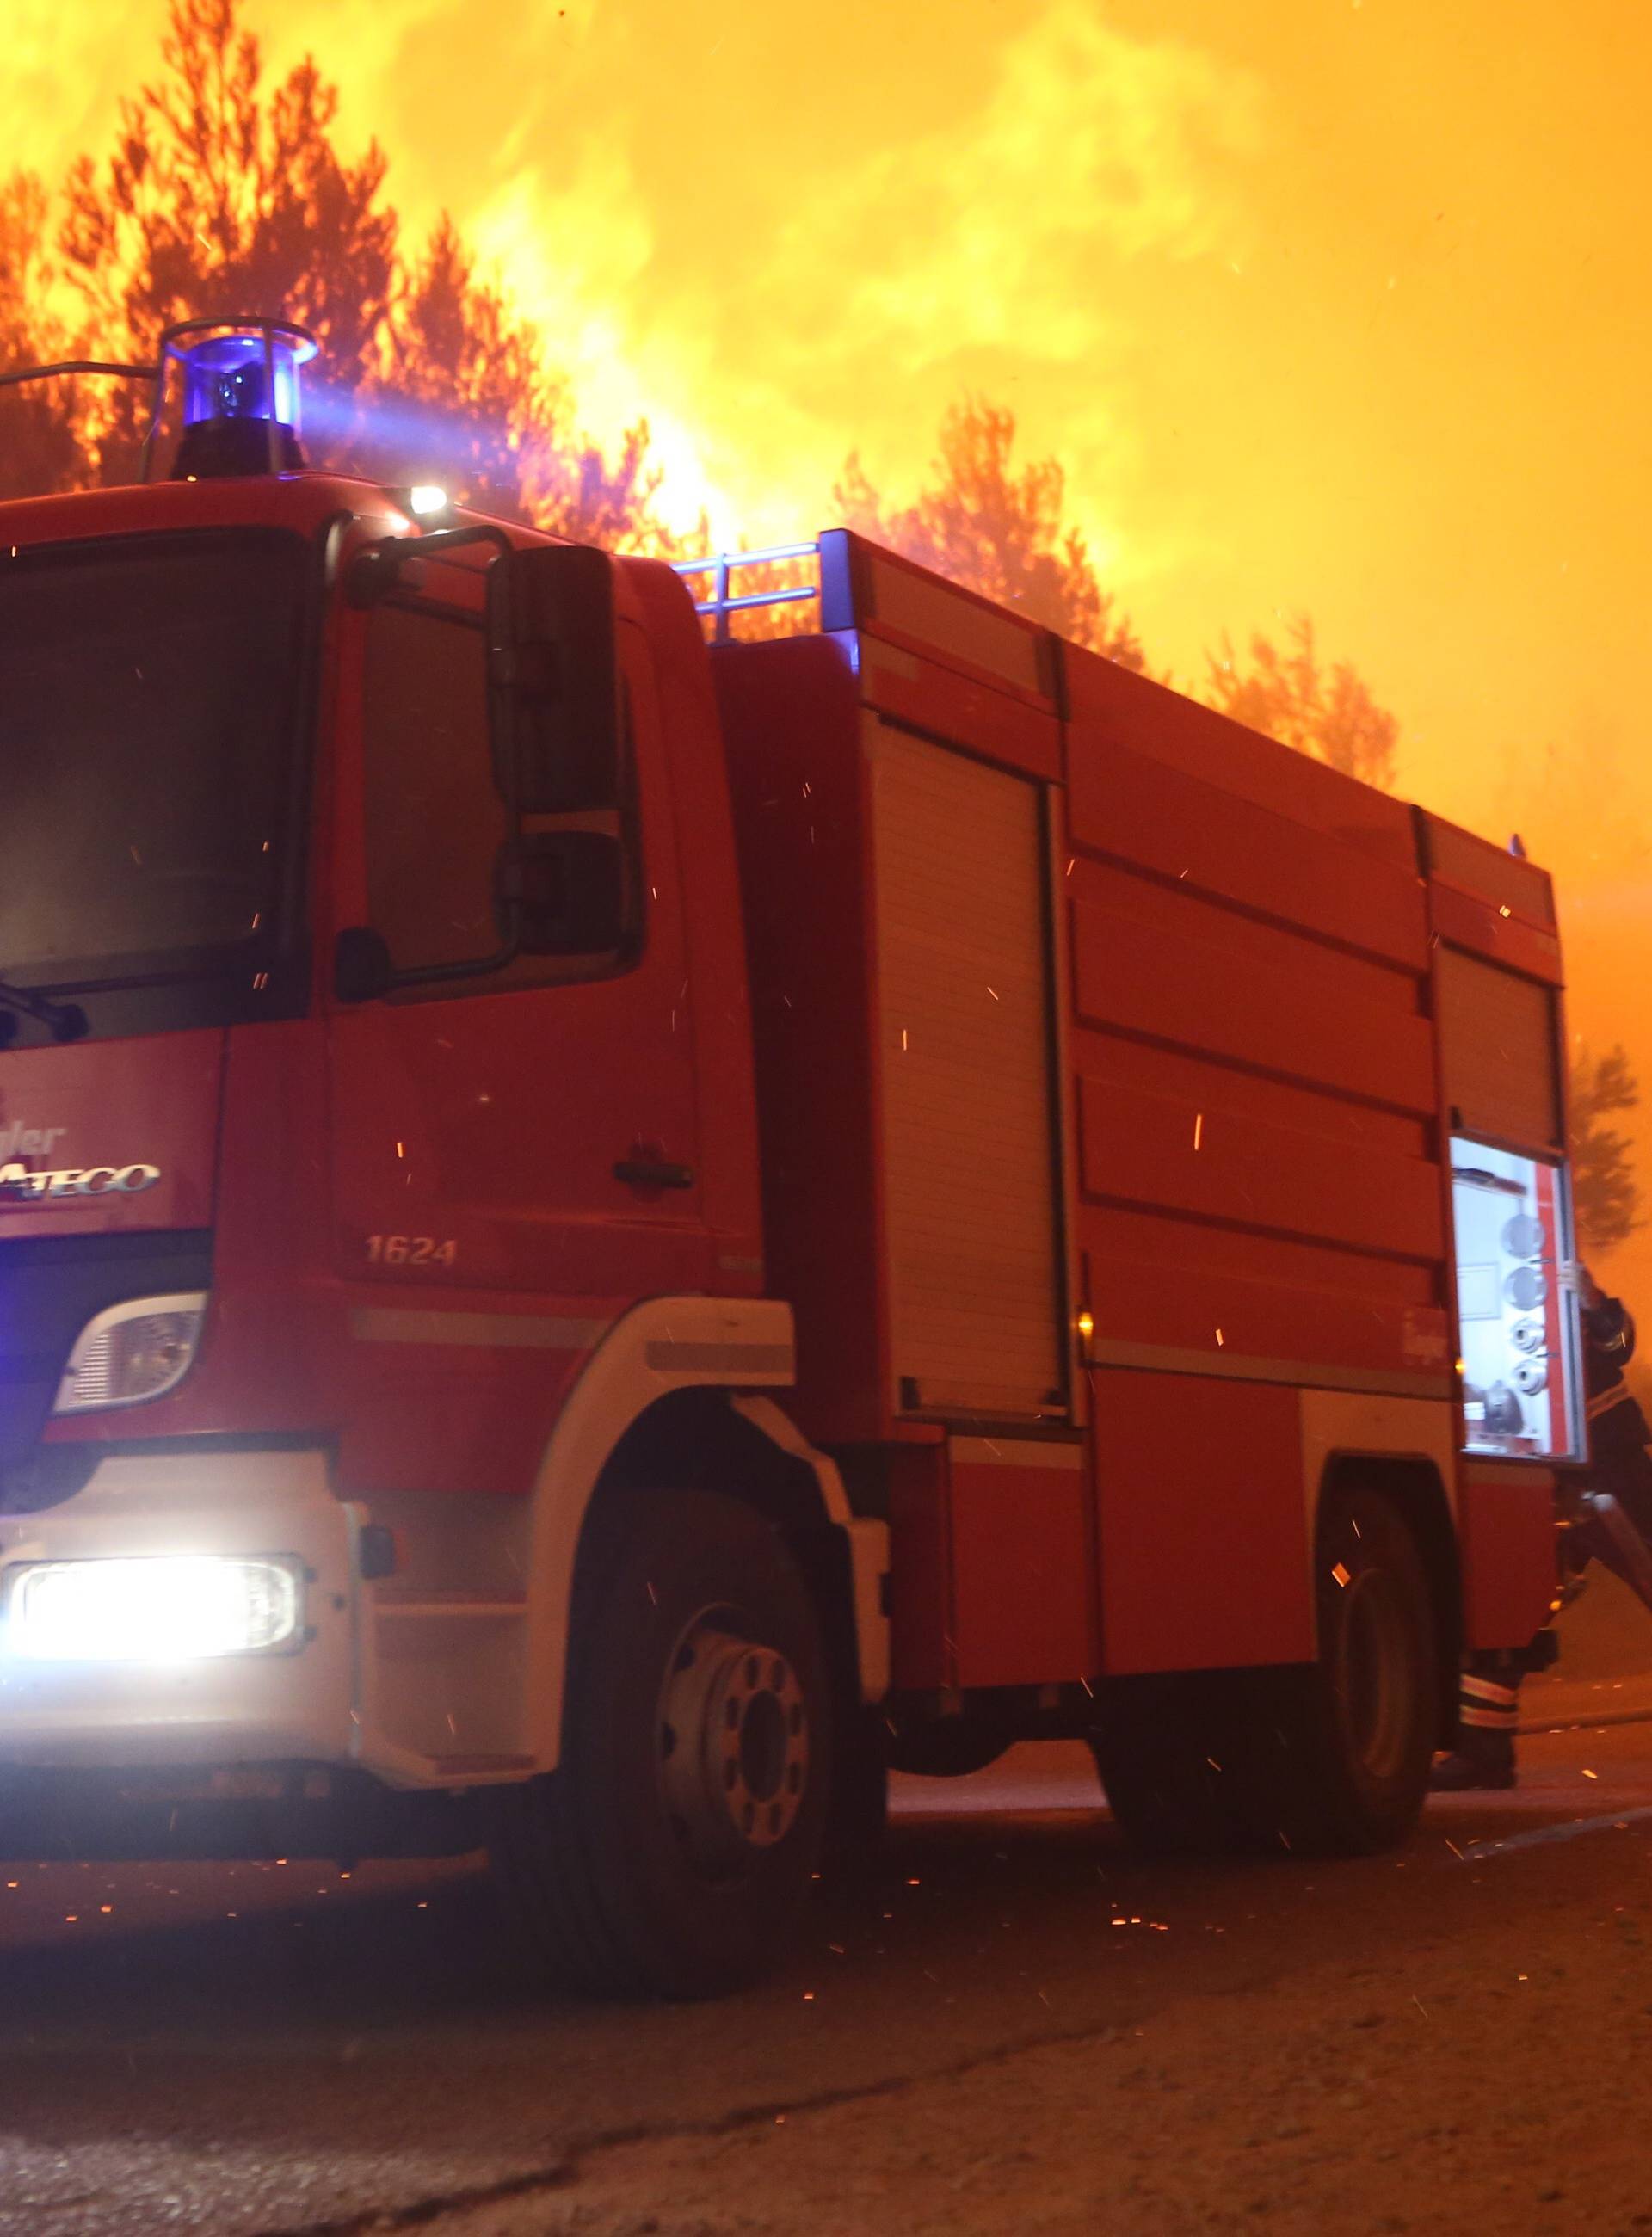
[[1375, 1683], [733, 1744]]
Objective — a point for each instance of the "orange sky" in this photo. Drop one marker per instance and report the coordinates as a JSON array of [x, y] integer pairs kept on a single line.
[[1338, 305]]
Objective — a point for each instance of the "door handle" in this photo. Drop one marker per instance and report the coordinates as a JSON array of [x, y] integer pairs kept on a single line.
[[653, 1172]]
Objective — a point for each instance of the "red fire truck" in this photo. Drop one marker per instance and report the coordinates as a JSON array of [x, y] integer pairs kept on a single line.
[[605, 1229]]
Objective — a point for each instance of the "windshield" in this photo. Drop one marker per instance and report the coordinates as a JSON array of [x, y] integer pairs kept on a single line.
[[147, 705]]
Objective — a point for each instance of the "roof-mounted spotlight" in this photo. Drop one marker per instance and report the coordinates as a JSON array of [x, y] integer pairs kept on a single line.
[[240, 395]]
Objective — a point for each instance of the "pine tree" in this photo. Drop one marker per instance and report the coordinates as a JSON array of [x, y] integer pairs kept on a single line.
[[466, 398], [227, 198], [1333, 716], [42, 441], [461, 396], [996, 530], [1606, 1198]]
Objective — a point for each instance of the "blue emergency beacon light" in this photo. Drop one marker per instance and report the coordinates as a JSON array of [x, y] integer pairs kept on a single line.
[[240, 395]]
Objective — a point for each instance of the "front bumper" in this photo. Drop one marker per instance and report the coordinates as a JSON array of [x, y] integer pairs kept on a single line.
[[299, 1704]]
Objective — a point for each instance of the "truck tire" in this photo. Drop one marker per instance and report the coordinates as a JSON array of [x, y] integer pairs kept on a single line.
[[1328, 1758], [669, 1851], [1164, 1753], [1347, 1741]]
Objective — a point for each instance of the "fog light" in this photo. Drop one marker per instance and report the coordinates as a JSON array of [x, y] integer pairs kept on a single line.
[[141, 1348], [168, 1609]]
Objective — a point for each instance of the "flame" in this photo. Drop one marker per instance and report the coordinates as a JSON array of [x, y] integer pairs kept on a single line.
[[769, 314]]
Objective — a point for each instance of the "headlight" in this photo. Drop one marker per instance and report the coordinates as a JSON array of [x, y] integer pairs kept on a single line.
[[151, 1609], [139, 1349]]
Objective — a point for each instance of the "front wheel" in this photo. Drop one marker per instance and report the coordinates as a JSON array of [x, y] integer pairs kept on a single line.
[[669, 1852]]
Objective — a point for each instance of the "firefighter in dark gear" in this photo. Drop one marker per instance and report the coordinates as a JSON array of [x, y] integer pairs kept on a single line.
[[1614, 1526]]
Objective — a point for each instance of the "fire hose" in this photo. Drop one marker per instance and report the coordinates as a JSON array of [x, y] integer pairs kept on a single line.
[[1604, 1532]]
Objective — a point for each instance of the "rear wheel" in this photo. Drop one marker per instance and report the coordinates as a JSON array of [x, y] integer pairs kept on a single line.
[[1167, 1754], [668, 1853], [1356, 1730], [1331, 1756]]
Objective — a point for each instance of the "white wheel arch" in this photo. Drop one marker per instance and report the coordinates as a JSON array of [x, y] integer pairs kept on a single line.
[[739, 1346]]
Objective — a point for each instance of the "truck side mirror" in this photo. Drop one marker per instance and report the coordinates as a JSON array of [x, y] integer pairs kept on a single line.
[[563, 892], [553, 675]]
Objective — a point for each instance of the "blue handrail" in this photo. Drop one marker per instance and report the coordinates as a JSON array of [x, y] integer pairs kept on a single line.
[[723, 564]]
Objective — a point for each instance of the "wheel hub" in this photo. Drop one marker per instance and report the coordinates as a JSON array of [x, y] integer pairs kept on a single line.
[[733, 1744]]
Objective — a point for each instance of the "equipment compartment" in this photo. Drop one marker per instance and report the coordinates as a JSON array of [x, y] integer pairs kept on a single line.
[[1516, 1322]]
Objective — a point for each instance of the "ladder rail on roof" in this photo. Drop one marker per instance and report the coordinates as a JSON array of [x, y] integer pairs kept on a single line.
[[722, 565]]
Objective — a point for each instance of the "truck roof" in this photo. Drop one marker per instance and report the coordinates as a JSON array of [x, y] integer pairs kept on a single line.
[[303, 502]]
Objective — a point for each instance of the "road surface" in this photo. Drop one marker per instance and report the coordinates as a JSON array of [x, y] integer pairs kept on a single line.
[[1014, 2029]]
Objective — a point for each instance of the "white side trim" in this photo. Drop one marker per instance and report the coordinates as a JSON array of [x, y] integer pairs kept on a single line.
[[669, 1343], [869, 1542], [782, 1430], [1391, 1428]]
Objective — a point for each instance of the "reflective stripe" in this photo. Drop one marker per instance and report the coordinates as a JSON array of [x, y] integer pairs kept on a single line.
[[679, 1356], [1485, 1689], [1490, 1720], [501, 1331], [1603, 1402]]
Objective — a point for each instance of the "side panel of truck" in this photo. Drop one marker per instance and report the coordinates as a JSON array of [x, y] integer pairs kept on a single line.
[[1261, 1207], [1228, 1191]]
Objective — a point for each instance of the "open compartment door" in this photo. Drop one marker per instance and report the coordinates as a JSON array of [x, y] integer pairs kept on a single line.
[[1517, 1332], [1516, 1323]]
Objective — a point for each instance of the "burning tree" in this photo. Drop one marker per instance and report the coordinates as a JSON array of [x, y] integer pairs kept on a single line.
[[996, 530], [221, 199], [461, 395], [1331, 715], [1606, 1198], [225, 196], [41, 442], [464, 397]]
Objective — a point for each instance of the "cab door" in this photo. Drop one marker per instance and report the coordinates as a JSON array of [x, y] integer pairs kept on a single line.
[[514, 1149]]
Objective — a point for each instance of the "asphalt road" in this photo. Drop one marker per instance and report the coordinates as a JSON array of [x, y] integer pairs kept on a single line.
[[282, 2048]]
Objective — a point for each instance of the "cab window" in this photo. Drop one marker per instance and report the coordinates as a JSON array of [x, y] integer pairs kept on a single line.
[[435, 821]]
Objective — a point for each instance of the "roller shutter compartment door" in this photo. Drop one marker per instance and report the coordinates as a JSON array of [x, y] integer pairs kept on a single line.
[[1497, 1051], [964, 1020]]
